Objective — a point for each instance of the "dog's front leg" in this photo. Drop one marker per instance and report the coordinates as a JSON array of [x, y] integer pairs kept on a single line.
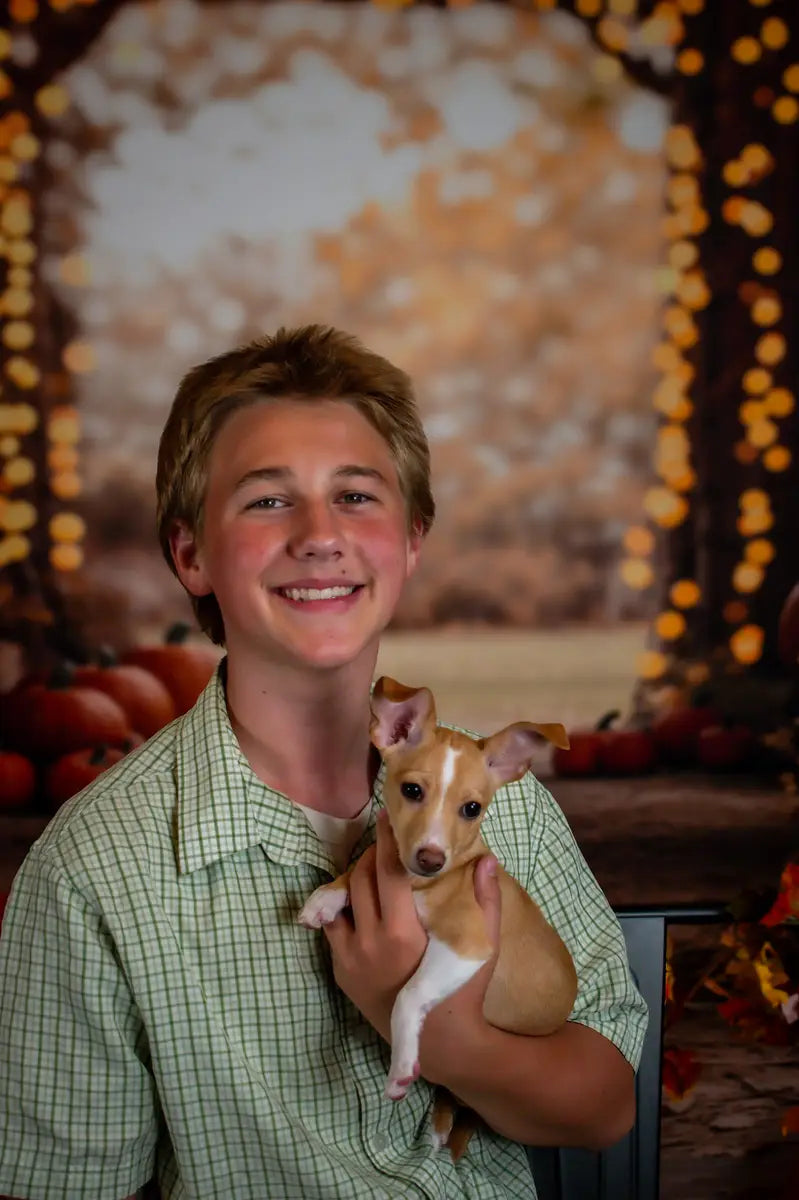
[[324, 905], [440, 973]]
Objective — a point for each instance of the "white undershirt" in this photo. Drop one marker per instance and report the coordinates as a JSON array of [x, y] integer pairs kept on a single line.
[[338, 835]]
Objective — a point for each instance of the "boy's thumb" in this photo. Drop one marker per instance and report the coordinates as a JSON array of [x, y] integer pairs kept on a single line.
[[487, 893]]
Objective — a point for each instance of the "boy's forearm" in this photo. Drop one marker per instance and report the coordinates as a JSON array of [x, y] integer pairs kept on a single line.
[[572, 1087]]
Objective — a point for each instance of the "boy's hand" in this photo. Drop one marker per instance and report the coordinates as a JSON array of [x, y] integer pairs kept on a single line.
[[378, 945]]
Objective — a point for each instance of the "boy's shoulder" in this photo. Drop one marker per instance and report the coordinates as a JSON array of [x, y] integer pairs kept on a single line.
[[124, 808]]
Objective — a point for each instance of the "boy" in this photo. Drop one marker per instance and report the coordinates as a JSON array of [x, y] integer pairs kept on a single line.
[[160, 1010]]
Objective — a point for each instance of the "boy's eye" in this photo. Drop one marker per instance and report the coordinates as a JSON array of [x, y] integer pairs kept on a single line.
[[412, 791], [470, 810], [266, 502], [355, 498]]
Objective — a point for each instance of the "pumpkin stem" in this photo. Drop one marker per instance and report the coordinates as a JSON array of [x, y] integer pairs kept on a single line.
[[106, 656], [98, 754], [605, 722], [176, 634], [62, 676]]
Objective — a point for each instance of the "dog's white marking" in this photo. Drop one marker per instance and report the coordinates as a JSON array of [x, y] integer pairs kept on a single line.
[[451, 755], [440, 973], [437, 834]]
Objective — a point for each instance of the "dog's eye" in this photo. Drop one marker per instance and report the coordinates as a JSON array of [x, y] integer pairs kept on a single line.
[[471, 809], [412, 791]]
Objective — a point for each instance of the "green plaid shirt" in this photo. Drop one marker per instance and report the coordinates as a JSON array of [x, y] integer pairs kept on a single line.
[[161, 1011]]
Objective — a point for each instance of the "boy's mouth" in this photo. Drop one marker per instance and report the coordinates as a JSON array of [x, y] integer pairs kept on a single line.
[[304, 595]]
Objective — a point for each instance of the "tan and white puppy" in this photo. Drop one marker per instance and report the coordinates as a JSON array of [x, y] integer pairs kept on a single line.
[[438, 786]]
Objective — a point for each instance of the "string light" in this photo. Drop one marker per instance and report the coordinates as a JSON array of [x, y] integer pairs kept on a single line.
[[767, 261], [746, 644], [774, 33], [651, 664], [639, 540], [670, 625]]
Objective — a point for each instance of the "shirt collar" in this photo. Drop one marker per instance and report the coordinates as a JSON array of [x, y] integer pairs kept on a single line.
[[223, 807]]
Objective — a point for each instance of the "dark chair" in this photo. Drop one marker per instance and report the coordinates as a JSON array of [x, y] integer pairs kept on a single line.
[[630, 1169]]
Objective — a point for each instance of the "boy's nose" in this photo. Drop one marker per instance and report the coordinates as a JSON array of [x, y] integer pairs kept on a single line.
[[430, 859], [316, 535]]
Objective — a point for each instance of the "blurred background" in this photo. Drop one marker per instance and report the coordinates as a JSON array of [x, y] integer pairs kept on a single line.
[[477, 194]]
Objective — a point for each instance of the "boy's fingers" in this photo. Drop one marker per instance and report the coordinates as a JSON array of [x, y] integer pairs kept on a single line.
[[393, 887], [337, 931], [488, 895], [364, 898]]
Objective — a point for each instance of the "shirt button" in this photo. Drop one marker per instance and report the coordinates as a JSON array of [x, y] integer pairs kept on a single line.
[[381, 1141]]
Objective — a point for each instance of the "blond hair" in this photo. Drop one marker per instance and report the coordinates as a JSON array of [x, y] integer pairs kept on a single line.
[[315, 362]]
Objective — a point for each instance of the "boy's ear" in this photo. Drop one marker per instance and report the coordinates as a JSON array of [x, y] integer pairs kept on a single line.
[[187, 557], [415, 541]]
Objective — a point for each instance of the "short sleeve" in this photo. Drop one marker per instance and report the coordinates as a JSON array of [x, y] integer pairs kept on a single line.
[[563, 885], [77, 1104]]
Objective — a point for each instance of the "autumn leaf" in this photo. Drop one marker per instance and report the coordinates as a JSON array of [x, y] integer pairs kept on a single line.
[[786, 906], [760, 1026], [737, 1010], [680, 1072], [790, 1121], [770, 974]]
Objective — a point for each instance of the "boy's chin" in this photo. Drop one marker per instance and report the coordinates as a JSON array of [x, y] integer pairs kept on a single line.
[[336, 657]]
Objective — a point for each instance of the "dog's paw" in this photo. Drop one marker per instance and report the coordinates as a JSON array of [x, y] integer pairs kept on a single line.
[[322, 907], [399, 1082]]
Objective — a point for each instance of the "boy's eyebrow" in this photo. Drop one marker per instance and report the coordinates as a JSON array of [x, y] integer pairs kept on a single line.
[[354, 469], [279, 474]]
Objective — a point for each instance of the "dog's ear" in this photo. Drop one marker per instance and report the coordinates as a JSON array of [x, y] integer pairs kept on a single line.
[[401, 716], [509, 753]]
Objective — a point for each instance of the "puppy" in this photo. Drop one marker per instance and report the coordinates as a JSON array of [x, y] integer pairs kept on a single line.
[[438, 786]]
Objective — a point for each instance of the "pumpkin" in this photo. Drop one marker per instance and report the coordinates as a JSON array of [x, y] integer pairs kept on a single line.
[[143, 697], [73, 772], [50, 719], [676, 733], [583, 756], [627, 752], [725, 747], [17, 780], [183, 668]]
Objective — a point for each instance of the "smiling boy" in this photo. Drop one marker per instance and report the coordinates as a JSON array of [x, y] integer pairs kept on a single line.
[[160, 1010]]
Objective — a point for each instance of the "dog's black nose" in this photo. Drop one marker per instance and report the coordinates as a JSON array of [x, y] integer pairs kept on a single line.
[[430, 859]]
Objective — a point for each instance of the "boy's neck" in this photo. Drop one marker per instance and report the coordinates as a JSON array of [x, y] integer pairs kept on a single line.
[[307, 735]]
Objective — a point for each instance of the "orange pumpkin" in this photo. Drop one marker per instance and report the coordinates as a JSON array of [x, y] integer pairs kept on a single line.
[[143, 697], [46, 720], [583, 756], [73, 772], [183, 668], [17, 780], [677, 733]]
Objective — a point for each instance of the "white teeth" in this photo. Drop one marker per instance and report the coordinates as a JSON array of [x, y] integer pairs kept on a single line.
[[328, 593]]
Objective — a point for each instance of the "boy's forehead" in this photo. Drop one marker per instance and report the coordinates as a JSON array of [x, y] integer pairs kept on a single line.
[[290, 433]]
